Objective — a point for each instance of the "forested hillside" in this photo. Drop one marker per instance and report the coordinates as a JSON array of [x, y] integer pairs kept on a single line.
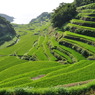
[[42, 17], [8, 18], [7, 32]]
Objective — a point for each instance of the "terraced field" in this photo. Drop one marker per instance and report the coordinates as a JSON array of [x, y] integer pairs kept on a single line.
[[43, 58]]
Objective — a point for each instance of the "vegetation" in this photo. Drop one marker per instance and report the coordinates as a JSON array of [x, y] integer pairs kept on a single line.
[[83, 2], [43, 60], [63, 14], [8, 18], [6, 31]]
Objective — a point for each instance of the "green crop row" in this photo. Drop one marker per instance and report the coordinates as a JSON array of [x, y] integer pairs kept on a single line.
[[24, 68], [21, 47], [70, 68], [85, 14], [82, 74], [75, 54], [87, 11], [63, 55], [9, 62], [18, 80], [83, 45], [89, 6], [68, 33], [80, 29], [83, 23]]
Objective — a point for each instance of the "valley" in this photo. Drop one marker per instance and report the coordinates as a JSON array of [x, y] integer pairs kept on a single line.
[[46, 60]]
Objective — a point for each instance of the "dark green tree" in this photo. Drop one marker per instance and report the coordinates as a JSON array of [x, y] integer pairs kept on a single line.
[[63, 14], [7, 31]]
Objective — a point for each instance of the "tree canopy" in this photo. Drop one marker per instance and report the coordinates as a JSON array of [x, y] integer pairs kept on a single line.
[[67, 11], [63, 14]]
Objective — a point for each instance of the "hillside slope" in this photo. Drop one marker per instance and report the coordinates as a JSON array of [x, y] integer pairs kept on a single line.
[[8, 18], [45, 57], [42, 17], [7, 32]]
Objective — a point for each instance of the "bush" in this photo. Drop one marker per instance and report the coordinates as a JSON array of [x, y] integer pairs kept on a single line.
[[4, 92], [20, 92]]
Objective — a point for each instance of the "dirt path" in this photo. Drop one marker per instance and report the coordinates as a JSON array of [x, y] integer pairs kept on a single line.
[[75, 84]]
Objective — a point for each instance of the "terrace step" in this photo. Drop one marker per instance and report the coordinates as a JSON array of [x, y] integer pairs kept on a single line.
[[83, 48], [85, 14], [88, 18], [82, 74], [74, 55], [89, 31], [62, 56], [81, 38], [87, 11], [89, 6], [83, 23]]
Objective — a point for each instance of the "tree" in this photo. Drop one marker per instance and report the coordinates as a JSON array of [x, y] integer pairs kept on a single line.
[[63, 14]]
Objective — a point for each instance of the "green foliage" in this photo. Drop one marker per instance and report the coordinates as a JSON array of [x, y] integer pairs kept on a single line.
[[87, 39], [82, 74], [31, 63], [89, 6], [83, 2], [83, 23], [41, 18], [63, 14], [84, 30]]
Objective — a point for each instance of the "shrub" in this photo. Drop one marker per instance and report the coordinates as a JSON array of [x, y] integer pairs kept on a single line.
[[20, 92], [4, 92]]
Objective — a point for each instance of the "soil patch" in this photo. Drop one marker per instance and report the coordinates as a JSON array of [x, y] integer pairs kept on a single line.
[[38, 77], [75, 84]]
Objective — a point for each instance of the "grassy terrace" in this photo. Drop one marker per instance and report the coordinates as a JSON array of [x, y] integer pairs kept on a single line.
[[55, 49], [88, 18], [89, 6], [80, 44], [81, 74], [76, 56], [21, 47], [35, 46], [83, 38], [62, 55], [47, 49], [25, 68], [87, 11], [85, 14], [83, 23], [41, 49], [45, 57], [9, 62], [72, 53], [56, 72], [70, 68], [81, 29], [27, 76], [8, 43], [68, 33], [40, 54]]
